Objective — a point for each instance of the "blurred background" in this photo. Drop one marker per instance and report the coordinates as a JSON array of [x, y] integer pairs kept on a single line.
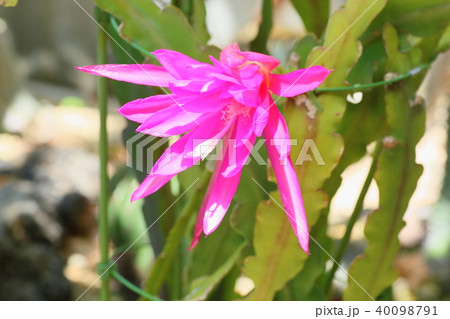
[[49, 163]]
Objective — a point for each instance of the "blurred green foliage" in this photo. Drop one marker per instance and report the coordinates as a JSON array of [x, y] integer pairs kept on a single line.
[[8, 3]]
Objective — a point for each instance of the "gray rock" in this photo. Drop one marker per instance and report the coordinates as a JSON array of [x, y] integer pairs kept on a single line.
[[30, 265], [54, 200], [59, 172], [77, 216], [22, 218], [32, 272]]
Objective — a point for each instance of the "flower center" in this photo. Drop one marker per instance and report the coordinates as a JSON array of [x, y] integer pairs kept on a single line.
[[235, 109]]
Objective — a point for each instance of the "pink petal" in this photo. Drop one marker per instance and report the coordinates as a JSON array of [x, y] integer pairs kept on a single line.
[[196, 86], [244, 128], [230, 56], [174, 120], [219, 200], [139, 110], [239, 156], [192, 147], [248, 75], [221, 194], [298, 82], [266, 61], [291, 196], [201, 215], [248, 97], [280, 139], [150, 185], [222, 77], [145, 74], [181, 66], [240, 146], [250, 72], [221, 68], [261, 115], [204, 103]]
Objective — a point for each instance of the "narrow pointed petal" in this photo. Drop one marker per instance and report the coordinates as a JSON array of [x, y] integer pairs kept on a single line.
[[215, 204], [174, 120], [298, 82], [198, 230], [180, 117], [262, 112], [280, 132], [154, 181], [240, 146], [219, 201], [140, 110], [202, 103], [192, 147], [207, 103], [181, 66], [145, 74], [291, 196], [204, 86], [150, 185], [239, 155], [220, 193]]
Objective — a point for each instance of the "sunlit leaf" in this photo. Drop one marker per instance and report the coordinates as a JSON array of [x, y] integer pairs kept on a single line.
[[362, 124], [278, 256], [396, 177], [8, 3], [318, 120], [444, 43], [305, 284], [314, 123]]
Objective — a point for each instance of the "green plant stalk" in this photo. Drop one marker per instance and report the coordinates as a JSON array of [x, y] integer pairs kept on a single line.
[[199, 21], [103, 153], [354, 217], [144, 52], [355, 87], [163, 263], [260, 43], [133, 287]]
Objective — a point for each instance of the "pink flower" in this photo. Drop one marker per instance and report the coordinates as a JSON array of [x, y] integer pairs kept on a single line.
[[228, 100]]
